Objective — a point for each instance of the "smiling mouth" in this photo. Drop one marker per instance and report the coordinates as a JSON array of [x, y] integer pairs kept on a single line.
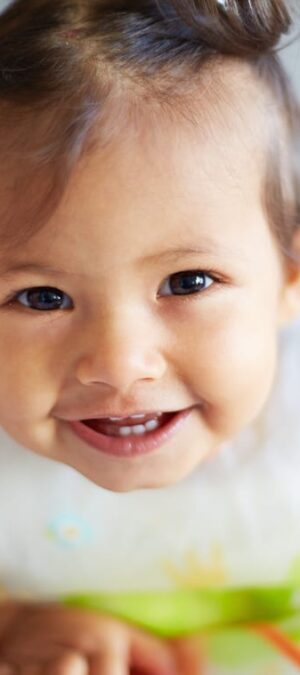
[[137, 425], [130, 436]]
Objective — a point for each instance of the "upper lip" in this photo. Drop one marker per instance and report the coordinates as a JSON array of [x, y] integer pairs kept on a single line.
[[115, 413]]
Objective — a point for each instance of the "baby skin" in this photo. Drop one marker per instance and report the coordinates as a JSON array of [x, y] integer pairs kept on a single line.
[[56, 640], [136, 218]]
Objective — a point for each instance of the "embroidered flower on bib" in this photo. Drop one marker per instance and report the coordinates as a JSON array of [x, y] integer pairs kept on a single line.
[[69, 530]]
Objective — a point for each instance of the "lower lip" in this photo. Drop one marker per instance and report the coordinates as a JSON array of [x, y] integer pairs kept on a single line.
[[118, 446]]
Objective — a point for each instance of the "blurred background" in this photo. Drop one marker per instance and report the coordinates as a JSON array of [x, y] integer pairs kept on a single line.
[[291, 53]]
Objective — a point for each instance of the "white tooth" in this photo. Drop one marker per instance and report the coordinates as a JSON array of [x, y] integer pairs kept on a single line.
[[138, 417], [125, 431], [151, 425], [138, 429]]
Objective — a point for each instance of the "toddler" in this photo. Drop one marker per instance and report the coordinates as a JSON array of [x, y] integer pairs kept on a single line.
[[149, 340]]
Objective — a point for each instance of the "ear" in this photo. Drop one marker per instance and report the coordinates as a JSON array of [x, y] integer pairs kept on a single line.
[[290, 296]]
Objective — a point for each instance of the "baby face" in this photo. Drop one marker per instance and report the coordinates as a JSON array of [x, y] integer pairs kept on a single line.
[[165, 294]]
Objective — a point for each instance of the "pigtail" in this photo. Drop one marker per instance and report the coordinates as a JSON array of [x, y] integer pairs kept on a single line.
[[234, 27]]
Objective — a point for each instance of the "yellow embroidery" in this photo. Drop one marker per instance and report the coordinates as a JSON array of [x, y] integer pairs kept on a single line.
[[195, 572]]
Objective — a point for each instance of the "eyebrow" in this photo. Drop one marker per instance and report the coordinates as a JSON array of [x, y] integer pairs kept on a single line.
[[170, 255], [32, 268], [209, 249]]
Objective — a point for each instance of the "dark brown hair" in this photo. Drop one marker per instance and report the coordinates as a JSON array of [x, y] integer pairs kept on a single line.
[[62, 60]]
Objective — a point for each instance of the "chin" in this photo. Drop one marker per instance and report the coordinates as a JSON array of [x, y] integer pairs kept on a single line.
[[132, 483]]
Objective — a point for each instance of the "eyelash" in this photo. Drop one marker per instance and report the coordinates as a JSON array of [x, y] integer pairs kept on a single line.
[[13, 298]]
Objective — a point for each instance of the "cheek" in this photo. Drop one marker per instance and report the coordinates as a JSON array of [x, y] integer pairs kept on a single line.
[[28, 374], [233, 368]]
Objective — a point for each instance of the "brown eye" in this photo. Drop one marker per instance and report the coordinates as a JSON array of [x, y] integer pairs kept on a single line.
[[44, 299], [186, 283]]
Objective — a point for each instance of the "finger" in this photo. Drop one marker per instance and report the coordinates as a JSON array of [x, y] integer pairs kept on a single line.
[[30, 669], [110, 663], [70, 663], [152, 655], [188, 656], [7, 669]]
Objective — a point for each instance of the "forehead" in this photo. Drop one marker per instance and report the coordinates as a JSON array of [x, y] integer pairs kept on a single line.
[[217, 137], [178, 164]]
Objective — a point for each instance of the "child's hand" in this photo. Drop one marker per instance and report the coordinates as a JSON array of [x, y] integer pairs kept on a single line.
[[187, 653], [57, 640]]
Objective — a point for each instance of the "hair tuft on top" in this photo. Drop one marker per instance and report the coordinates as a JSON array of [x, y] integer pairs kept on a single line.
[[44, 42], [236, 27]]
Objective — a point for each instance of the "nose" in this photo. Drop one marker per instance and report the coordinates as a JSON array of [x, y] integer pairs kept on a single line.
[[119, 352]]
